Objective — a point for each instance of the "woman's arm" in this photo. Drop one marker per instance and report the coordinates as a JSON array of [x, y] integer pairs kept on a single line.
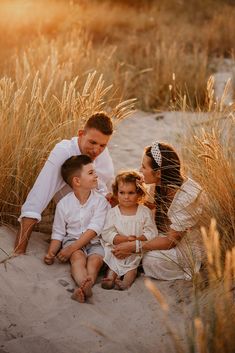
[[172, 238]]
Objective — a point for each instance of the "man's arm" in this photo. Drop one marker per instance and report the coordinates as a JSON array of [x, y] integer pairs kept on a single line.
[[48, 182]]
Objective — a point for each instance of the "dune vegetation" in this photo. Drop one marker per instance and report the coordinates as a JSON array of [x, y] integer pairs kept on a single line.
[[62, 60]]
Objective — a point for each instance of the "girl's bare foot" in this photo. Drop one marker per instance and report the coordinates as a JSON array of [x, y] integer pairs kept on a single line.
[[127, 281], [84, 291], [49, 259], [121, 285], [108, 282]]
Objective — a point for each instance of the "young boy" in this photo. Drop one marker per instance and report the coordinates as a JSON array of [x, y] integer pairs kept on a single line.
[[79, 219]]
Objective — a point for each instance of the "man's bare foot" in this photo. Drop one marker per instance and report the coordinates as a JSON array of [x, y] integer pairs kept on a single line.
[[49, 259], [108, 282], [78, 295], [84, 291]]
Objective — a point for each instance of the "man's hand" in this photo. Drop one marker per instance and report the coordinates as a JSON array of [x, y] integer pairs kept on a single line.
[[65, 254]]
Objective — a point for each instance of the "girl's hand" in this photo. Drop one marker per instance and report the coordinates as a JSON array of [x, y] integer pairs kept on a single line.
[[131, 238], [123, 250]]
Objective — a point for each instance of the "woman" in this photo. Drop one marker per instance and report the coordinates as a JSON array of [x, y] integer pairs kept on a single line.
[[175, 253]]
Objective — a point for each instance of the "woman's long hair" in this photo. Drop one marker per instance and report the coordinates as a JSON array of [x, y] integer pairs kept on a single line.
[[171, 177]]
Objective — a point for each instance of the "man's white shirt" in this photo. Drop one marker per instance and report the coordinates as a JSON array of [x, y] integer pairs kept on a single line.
[[50, 181]]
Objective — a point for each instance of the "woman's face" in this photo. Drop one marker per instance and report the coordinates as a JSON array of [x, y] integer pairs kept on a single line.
[[150, 176]]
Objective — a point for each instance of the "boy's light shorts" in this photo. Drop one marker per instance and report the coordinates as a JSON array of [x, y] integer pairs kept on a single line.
[[89, 249]]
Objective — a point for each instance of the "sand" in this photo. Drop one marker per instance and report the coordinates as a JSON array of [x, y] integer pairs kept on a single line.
[[37, 314]]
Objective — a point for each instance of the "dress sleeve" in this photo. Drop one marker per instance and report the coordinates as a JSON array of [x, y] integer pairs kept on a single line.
[[149, 230], [186, 209], [109, 232]]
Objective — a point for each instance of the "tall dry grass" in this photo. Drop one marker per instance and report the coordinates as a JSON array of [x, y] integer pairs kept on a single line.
[[213, 314], [36, 114], [138, 47], [209, 154]]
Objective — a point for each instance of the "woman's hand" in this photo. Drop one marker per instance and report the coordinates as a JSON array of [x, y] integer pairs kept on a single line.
[[123, 250]]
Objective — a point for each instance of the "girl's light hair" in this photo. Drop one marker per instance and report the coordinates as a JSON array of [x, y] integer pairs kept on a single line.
[[129, 176]]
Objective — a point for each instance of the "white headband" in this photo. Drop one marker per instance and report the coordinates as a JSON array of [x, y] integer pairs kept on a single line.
[[156, 153]]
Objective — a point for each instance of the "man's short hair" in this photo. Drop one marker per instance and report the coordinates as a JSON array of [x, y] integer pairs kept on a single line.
[[73, 166], [101, 122]]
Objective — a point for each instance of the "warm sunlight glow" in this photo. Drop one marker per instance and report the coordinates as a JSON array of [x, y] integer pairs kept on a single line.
[[16, 13], [17, 10]]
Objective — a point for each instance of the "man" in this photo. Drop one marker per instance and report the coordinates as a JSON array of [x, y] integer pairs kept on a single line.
[[92, 141]]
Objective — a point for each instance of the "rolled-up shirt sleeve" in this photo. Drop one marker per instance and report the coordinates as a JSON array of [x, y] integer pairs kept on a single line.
[[97, 221], [59, 225], [48, 182]]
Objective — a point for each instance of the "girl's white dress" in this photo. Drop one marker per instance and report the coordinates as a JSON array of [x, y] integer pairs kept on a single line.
[[142, 223], [182, 261]]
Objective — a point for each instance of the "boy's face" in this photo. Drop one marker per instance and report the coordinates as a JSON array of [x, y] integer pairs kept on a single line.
[[127, 194], [92, 142], [87, 178]]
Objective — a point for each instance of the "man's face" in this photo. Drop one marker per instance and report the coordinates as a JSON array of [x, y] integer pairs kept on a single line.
[[92, 142]]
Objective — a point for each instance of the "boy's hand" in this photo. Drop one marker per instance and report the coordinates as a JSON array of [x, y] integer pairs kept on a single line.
[[65, 254]]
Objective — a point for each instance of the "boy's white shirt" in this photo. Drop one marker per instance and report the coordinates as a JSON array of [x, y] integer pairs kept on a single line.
[[50, 181], [72, 219]]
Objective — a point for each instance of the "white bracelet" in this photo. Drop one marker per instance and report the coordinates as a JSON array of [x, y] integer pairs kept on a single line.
[[137, 246], [141, 247]]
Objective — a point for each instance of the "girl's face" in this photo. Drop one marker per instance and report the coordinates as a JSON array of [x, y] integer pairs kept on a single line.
[[127, 194], [150, 176]]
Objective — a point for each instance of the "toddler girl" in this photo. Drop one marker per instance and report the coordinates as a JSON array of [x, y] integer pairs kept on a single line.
[[127, 221]]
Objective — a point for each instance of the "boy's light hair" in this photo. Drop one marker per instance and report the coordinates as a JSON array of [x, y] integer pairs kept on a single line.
[[73, 167]]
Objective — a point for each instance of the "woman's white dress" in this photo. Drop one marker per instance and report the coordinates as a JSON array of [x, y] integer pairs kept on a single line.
[[142, 223], [182, 261]]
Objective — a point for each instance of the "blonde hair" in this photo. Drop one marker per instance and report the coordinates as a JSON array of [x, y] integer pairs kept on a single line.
[[129, 176]]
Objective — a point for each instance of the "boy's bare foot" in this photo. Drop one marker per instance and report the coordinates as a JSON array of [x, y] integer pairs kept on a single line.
[[78, 295], [108, 282], [49, 260], [84, 291], [86, 286]]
